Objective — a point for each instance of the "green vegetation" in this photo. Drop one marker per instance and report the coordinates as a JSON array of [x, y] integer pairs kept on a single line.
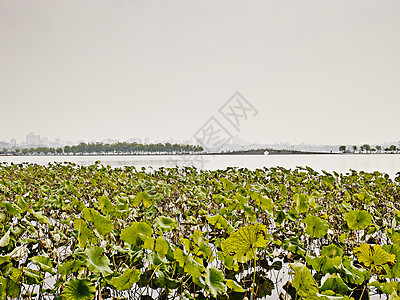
[[74, 232], [117, 148], [368, 149]]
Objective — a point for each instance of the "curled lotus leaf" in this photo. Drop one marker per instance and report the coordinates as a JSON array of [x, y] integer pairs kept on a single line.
[[5, 240], [97, 262], [215, 281], [303, 281], [234, 286], [190, 265], [135, 232], [393, 271], [44, 263], [333, 282], [165, 223], [301, 202], [387, 287], [220, 222], [126, 280]]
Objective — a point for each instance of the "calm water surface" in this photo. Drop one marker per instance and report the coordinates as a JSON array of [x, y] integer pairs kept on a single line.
[[386, 163]]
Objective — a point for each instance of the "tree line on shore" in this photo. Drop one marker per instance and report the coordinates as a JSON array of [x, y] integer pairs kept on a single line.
[[100, 148], [366, 148]]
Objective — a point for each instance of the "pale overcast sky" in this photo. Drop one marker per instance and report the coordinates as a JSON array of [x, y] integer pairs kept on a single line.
[[316, 71]]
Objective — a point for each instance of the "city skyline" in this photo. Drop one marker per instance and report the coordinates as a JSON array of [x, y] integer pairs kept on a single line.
[[33, 140]]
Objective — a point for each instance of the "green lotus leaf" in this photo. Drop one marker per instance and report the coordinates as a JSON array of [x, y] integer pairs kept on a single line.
[[136, 232], [228, 185], [126, 280], [87, 213], [329, 295], [245, 241], [220, 222], [193, 268], [180, 257], [11, 208], [292, 215], [148, 242], [395, 237], [393, 271], [40, 217], [147, 202], [351, 274], [324, 264], [165, 223], [301, 202], [78, 289], [5, 240], [102, 224], [394, 296], [265, 203], [106, 205], [10, 287], [155, 259], [280, 217], [84, 233], [19, 252], [358, 219], [334, 283], [387, 287], [331, 251], [44, 263], [303, 281], [228, 261], [23, 206], [4, 259], [142, 197], [234, 286], [68, 267], [97, 262], [190, 266], [373, 257], [33, 276], [316, 228], [165, 281], [161, 246], [277, 265], [215, 280], [203, 249]]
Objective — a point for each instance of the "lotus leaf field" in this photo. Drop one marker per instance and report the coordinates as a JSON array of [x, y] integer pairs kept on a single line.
[[96, 232]]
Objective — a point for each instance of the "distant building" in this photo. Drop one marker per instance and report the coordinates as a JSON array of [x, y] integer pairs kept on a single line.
[[135, 140], [44, 141], [13, 142], [31, 139], [110, 141]]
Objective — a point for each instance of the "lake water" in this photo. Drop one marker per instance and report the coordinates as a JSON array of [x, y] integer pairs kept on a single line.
[[341, 163]]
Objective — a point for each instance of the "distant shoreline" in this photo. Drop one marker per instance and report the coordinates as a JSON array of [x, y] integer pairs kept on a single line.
[[241, 152]]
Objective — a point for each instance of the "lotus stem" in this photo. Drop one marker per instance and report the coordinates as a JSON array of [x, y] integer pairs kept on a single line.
[[254, 277]]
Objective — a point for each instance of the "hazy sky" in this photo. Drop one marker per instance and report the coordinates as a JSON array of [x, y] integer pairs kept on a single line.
[[316, 71]]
